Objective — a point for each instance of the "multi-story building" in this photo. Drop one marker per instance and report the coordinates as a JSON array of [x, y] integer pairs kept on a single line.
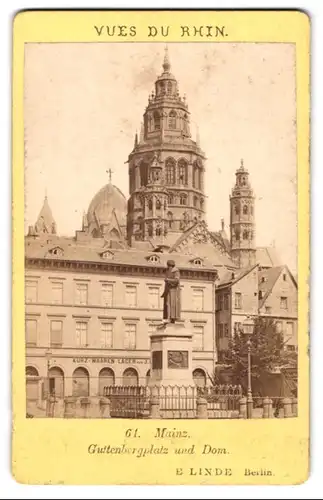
[[93, 299]]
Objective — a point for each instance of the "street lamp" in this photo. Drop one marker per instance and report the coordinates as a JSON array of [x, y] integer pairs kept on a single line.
[[247, 329], [48, 355]]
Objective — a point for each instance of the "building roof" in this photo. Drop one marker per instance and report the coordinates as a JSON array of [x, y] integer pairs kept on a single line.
[[45, 222], [267, 279], [229, 278], [107, 200], [67, 249], [267, 257]]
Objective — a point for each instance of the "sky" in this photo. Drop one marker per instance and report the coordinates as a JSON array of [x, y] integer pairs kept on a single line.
[[85, 102]]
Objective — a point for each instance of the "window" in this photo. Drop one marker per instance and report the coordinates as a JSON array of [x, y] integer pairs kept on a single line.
[[172, 120], [237, 327], [170, 199], [237, 209], [268, 310], [226, 330], [150, 205], [170, 219], [245, 209], [197, 262], [195, 175], [170, 171], [150, 230], [237, 300], [106, 335], [158, 205], [158, 231], [130, 336], [107, 294], [182, 172], [81, 333], [31, 291], [284, 277], [57, 292], [183, 199], [283, 303], [237, 233], [157, 120], [153, 297], [154, 259], [169, 87], [245, 234], [131, 295], [279, 326], [220, 330], [260, 296], [198, 338], [31, 332], [263, 279], [81, 294], [195, 201], [226, 302], [198, 299], [289, 330], [291, 348], [56, 333], [221, 302]]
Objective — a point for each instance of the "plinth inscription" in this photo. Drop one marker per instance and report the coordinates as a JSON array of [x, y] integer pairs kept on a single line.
[[157, 360], [177, 359]]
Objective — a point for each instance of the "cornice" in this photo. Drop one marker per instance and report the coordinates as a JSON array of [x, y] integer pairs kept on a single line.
[[116, 268]]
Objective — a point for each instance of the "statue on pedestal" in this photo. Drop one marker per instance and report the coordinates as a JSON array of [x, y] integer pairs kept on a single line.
[[172, 294]]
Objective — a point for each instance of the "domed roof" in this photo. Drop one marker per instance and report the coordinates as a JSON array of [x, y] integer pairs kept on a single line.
[[106, 200]]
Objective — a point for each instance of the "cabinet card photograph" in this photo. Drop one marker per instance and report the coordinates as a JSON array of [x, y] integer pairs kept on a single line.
[[161, 247]]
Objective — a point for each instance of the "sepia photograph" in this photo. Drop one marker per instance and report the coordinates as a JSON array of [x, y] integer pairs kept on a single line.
[[160, 230]]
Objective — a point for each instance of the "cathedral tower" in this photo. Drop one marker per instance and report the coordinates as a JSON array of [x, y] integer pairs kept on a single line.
[[242, 226], [166, 167]]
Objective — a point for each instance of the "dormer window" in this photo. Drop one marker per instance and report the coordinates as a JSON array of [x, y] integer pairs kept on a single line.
[[198, 262], [107, 255], [57, 251], [154, 259]]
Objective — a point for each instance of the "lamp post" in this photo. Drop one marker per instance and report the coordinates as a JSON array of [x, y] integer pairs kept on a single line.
[[248, 326], [48, 355]]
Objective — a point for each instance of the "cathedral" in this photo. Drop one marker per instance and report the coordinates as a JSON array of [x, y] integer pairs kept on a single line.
[[93, 299]]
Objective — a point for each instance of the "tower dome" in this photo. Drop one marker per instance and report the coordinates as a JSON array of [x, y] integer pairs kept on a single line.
[[107, 210]]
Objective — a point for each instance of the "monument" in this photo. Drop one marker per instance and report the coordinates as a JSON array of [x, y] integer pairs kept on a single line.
[[171, 343]]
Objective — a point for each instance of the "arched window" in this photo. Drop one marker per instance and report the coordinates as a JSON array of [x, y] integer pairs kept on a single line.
[[170, 171], [130, 377], [195, 175], [157, 120], [80, 382], [172, 120], [170, 219], [150, 205], [165, 204], [195, 201], [182, 172], [169, 88], [183, 199], [237, 208], [154, 259], [243, 181], [158, 205], [106, 379], [199, 377], [245, 209], [158, 231], [237, 234], [245, 234], [170, 199], [31, 383], [202, 204], [147, 377], [56, 381], [162, 88]]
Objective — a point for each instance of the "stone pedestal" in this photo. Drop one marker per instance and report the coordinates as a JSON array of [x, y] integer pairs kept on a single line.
[[171, 356]]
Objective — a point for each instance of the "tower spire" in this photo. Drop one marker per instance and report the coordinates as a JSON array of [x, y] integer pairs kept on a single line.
[[166, 63]]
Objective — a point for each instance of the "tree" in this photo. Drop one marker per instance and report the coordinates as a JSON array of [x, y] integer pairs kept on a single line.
[[266, 350]]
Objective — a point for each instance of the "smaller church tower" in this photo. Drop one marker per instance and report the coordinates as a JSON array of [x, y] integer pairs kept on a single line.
[[242, 225], [45, 224]]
